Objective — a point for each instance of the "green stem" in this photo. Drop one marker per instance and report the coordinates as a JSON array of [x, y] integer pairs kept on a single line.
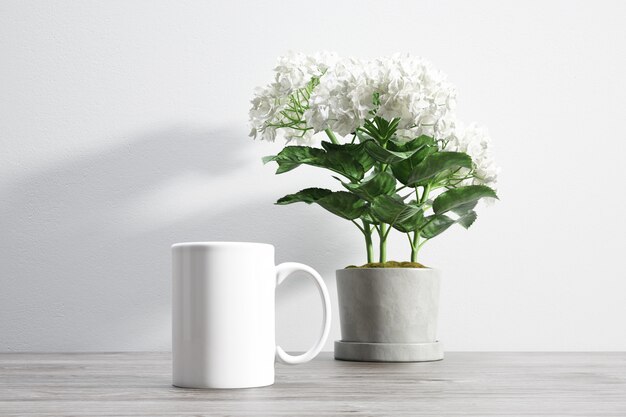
[[415, 246], [368, 241], [383, 167], [331, 136], [383, 243], [416, 243], [425, 194]]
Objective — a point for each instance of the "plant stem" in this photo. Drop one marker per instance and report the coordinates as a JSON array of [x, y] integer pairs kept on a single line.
[[383, 167], [383, 243], [331, 136], [367, 231], [425, 194], [415, 246]]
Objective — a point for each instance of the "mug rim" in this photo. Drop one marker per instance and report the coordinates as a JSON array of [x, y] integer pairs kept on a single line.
[[217, 244]]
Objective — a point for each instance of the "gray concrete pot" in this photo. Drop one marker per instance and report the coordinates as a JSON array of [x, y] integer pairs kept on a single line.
[[388, 314]]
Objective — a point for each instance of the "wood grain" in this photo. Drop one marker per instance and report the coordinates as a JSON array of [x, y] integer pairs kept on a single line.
[[463, 384]]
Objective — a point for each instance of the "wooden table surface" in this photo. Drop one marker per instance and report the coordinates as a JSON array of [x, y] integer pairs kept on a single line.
[[463, 384]]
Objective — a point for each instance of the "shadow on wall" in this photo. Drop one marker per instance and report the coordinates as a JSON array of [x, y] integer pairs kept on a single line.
[[86, 243]]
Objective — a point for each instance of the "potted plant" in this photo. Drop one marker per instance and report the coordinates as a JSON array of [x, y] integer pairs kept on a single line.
[[403, 163]]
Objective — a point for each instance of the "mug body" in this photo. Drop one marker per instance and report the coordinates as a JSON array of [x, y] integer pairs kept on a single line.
[[223, 314]]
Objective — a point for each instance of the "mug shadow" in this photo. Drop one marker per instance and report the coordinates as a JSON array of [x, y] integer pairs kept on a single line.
[[87, 241]]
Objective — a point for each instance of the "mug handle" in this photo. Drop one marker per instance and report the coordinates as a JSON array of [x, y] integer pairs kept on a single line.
[[283, 271]]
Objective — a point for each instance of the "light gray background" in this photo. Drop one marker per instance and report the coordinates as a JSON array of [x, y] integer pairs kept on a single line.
[[123, 129]]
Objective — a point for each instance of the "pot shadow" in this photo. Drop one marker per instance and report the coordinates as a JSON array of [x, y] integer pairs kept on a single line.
[[86, 242]]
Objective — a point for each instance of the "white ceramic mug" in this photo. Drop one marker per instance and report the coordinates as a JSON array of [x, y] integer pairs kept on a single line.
[[223, 330]]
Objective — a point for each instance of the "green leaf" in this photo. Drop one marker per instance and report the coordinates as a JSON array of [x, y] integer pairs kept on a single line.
[[360, 154], [415, 222], [355, 150], [379, 183], [380, 127], [343, 204], [340, 203], [411, 145], [363, 136], [293, 156], [308, 195], [461, 197], [436, 164], [436, 224], [392, 210], [386, 156], [464, 208], [342, 161], [345, 164], [423, 146], [467, 219], [268, 158]]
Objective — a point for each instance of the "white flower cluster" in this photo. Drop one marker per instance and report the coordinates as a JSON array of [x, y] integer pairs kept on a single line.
[[474, 140], [408, 88], [351, 91], [293, 72]]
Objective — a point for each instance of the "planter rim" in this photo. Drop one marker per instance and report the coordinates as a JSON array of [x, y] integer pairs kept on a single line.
[[218, 244]]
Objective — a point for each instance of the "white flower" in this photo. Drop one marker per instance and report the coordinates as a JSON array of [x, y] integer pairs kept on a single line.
[[474, 140], [296, 69], [342, 100], [408, 88], [413, 90], [293, 72]]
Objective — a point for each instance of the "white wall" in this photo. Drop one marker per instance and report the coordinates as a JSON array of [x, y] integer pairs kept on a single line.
[[123, 129]]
